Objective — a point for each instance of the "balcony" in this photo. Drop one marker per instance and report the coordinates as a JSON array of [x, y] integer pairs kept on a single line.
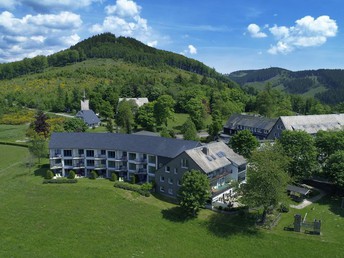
[[56, 156], [99, 156], [123, 158], [119, 169], [79, 156], [78, 165], [55, 165], [141, 171], [138, 161], [220, 189]]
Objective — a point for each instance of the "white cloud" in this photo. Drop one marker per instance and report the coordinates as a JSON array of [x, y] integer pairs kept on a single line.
[[307, 32], [32, 34], [152, 43], [124, 19], [192, 50], [255, 31], [123, 8]]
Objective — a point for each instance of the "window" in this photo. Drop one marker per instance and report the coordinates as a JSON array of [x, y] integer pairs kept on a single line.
[[90, 163], [90, 153], [167, 169], [102, 152], [112, 154], [68, 162], [170, 190], [67, 153], [162, 179], [184, 163], [132, 156], [170, 181], [81, 152], [151, 159], [162, 189], [179, 183], [132, 166], [175, 170]]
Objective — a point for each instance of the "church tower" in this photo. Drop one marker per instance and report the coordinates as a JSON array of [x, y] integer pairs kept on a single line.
[[84, 102]]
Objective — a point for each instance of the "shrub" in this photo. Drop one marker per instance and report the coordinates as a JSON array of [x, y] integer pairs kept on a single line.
[[113, 177], [283, 208], [49, 174], [131, 187], [93, 175], [147, 187], [71, 175], [133, 179]]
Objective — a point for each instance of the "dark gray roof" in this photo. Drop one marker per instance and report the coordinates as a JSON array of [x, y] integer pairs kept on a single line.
[[89, 117], [298, 189], [160, 146], [250, 121]]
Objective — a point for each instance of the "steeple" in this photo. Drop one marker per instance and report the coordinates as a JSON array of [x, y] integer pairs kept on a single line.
[[84, 102]]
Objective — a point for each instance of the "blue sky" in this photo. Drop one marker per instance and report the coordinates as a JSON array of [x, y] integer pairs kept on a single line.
[[224, 34]]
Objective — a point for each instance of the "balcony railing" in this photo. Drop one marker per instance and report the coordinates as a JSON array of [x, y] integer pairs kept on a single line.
[[220, 189]]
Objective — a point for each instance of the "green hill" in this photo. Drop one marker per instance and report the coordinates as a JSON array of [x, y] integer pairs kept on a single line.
[[325, 84], [106, 67]]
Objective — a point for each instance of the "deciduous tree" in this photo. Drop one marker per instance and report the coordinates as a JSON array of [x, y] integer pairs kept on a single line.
[[189, 130], [300, 147], [244, 142], [267, 179], [194, 192]]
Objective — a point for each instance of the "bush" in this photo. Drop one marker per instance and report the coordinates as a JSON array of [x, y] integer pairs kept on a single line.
[[283, 208], [147, 187], [133, 179], [113, 177], [71, 175], [49, 174], [93, 175], [131, 187]]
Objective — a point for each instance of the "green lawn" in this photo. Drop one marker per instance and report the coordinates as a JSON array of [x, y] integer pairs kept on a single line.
[[179, 119], [93, 219], [12, 133]]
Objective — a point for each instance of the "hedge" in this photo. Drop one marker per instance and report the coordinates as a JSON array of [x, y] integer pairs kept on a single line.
[[131, 187], [60, 181]]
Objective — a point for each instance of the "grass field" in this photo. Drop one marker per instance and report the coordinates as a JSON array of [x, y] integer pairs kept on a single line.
[[93, 219], [12, 133]]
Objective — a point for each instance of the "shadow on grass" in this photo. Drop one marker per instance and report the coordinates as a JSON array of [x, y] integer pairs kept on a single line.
[[176, 214], [41, 170], [224, 225], [334, 203]]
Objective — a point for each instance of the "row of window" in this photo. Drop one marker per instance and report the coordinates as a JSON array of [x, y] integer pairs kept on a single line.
[[170, 180], [111, 154], [170, 190]]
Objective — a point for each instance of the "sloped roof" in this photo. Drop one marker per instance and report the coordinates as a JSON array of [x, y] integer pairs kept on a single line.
[[138, 101], [298, 189], [88, 116], [160, 146], [250, 121], [313, 123], [214, 156]]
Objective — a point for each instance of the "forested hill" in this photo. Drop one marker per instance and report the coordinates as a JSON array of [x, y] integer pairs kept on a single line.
[[108, 45], [327, 85]]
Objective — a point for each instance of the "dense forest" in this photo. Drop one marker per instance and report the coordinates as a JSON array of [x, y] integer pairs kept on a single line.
[[107, 67], [325, 85]]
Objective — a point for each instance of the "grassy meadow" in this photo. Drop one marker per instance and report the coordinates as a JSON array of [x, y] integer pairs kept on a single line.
[[94, 219]]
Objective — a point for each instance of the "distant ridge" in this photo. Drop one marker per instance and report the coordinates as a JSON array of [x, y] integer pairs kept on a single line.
[[327, 85]]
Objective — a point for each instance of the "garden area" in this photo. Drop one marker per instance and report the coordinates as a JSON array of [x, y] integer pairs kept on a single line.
[[94, 219]]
